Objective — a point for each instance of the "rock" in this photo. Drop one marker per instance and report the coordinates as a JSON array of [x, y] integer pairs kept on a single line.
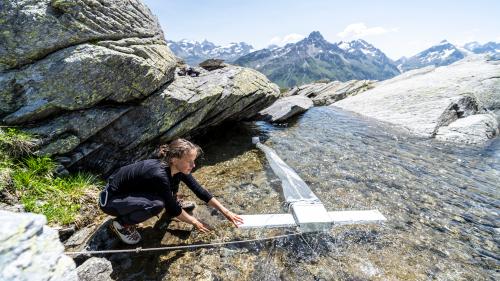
[[95, 269], [33, 29], [285, 108], [80, 237], [473, 129], [67, 55], [212, 64], [91, 238], [82, 76], [18, 208], [30, 250], [327, 93], [66, 232], [425, 100], [186, 106]]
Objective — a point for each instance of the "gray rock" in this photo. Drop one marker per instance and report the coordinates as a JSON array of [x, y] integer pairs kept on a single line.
[[30, 250], [285, 108], [60, 56], [430, 102], [83, 76], [328, 93], [212, 64], [18, 208], [472, 129], [80, 237], [95, 269], [91, 238], [33, 29], [187, 105]]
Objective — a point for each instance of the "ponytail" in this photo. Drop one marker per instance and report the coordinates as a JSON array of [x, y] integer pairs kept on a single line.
[[177, 149]]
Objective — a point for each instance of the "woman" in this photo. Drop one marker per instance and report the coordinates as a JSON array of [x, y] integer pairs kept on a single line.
[[139, 191]]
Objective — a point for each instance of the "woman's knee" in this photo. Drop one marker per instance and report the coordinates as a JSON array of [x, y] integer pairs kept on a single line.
[[156, 207]]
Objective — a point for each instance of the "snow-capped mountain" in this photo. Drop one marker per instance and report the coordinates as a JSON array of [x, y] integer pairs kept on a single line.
[[444, 53], [194, 52], [488, 48], [358, 48], [314, 58]]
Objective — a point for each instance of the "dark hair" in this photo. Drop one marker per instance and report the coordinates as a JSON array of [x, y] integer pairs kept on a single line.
[[176, 149]]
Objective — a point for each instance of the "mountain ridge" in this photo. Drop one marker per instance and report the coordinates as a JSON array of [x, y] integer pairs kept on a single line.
[[194, 52], [313, 58]]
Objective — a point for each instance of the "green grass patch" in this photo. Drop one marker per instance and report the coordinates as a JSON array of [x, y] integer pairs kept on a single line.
[[32, 180], [16, 143]]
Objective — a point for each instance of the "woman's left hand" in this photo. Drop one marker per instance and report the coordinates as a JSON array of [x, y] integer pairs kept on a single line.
[[232, 217]]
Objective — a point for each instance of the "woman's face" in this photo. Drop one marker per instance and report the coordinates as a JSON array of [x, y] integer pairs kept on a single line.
[[186, 163]]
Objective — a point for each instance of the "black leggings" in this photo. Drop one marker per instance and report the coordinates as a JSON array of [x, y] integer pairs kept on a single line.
[[133, 208]]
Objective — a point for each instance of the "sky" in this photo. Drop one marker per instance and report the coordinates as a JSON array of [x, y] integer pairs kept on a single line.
[[398, 28]]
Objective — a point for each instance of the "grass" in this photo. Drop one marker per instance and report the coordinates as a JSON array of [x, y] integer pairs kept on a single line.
[[31, 179], [15, 142]]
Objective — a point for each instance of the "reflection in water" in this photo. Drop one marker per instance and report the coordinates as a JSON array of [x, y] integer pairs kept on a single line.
[[441, 202]]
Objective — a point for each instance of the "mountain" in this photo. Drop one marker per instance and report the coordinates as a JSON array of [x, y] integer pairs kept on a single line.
[[488, 48], [444, 53], [194, 52], [314, 58]]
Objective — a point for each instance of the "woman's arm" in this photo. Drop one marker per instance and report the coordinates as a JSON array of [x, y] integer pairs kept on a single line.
[[206, 196], [197, 189], [232, 217]]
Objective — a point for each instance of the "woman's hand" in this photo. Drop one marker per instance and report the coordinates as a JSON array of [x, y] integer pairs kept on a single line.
[[200, 226], [232, 217], [185, 217]]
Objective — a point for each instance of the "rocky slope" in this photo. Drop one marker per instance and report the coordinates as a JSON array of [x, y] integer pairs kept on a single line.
[[97, 82], [453, 103]]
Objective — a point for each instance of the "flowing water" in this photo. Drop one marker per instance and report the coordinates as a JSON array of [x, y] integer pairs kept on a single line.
[[441, 201]]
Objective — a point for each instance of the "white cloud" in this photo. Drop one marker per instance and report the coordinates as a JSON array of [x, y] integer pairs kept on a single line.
[[290, 38], [359, 30]]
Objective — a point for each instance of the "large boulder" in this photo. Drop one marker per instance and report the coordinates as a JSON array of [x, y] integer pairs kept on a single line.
[[84, 76], [96, 82], [59, 56], [438, 102], [32, 29], [30, 250], [100, 138]]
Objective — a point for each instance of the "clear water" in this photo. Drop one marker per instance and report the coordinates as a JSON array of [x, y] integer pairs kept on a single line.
[[441, 201]]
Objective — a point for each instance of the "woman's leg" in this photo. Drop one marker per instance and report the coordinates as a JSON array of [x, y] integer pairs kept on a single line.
[[134, 208]]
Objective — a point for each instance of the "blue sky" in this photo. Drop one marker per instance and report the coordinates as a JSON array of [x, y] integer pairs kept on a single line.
[[398, 28]]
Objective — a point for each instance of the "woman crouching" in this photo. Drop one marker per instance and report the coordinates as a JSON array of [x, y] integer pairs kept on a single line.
[[141, 190]]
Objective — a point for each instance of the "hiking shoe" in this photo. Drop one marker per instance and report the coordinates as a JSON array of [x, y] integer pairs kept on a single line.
[[186, 205], [128, 234]]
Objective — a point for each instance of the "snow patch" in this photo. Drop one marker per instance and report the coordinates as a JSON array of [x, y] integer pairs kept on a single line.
[[344, 46]]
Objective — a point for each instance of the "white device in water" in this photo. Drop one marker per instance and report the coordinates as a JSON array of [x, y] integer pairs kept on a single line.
[[307, 211]]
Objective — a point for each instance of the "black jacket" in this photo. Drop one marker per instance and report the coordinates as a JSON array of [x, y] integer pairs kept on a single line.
[[152, 176]]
